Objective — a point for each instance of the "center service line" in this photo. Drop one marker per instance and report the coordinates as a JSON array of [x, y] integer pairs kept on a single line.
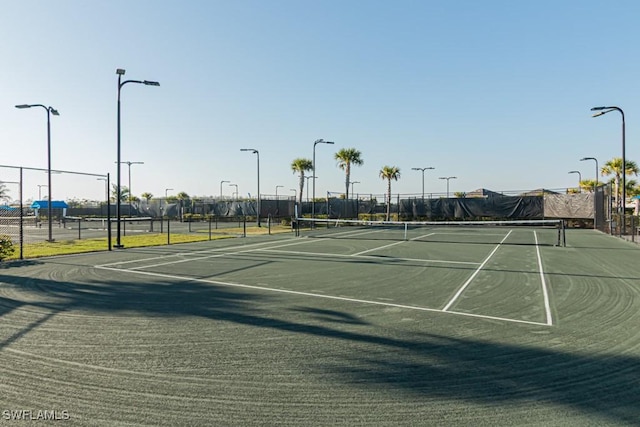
[[475, 273]]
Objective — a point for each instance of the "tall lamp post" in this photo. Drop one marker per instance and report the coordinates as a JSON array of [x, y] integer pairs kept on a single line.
[[448, 178], [120, 72], [601, 111], [579, 179], [257, 153], [166, 194], [308, 178], [236, 192], [423, 169], [222, 182], [352, 183], [128, 163], [595, 187], [595, 184], [50, 110], [313, 197], [40, 190]]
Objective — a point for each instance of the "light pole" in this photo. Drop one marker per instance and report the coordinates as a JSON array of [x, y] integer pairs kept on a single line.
[[595, 187], [595, 184], [423, 169], [128, 163], [106, 192], [257, 153], [222, 182], [313, 198], [236, 192], [278, 186], [50, 110], [166, 192], [308, 178], [601, 111], [448, 178], [352, 183], [579, 179], [120, 72], [40, 190]]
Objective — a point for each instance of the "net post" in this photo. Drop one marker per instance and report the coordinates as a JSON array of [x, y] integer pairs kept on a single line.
[[562, 239], [406, 226]]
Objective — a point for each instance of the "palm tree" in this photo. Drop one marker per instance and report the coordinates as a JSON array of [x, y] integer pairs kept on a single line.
[[301, 166], [588, 185], [4, 192], [147, 196], [614, 167], [124, 193], [347, 157], [389, 173]]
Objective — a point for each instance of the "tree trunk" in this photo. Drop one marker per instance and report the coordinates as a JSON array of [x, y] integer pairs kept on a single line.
[[348, 178], [389, 200], [301, 185]]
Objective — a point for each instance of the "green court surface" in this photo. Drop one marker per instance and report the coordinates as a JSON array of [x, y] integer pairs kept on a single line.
[[359, 327]]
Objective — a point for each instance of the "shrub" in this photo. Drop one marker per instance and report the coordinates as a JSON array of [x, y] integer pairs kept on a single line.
[[6, 247]]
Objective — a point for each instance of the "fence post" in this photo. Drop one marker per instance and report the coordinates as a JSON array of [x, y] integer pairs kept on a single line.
[[21, 220], [168, 232]]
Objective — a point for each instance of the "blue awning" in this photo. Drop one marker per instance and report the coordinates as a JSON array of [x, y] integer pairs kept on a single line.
[[44, 204]]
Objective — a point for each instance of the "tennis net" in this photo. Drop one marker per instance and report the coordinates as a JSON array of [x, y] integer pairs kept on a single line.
[[523, 232]]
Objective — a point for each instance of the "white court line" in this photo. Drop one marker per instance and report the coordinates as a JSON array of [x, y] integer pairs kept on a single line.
[[324, 254], [217, 255], [204, 251], [389, 245], [545, 294], [475, 273], [310, 294]]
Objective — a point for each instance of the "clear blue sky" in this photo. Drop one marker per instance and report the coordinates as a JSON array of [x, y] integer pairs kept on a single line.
[[496, 93]]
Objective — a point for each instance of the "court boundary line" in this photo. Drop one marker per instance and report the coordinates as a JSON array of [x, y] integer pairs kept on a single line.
[[315, 295], [545, 293]]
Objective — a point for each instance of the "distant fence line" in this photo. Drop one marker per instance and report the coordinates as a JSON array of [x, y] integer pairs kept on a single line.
[[567, 206]]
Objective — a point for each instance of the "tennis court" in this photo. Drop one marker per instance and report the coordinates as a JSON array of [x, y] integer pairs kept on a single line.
[[349, 326]]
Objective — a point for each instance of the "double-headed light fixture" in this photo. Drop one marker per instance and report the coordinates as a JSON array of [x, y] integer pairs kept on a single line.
[[50, 110], [120, 72]]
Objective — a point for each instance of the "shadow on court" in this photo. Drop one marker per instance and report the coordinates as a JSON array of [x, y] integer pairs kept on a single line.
[[424, 365]]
